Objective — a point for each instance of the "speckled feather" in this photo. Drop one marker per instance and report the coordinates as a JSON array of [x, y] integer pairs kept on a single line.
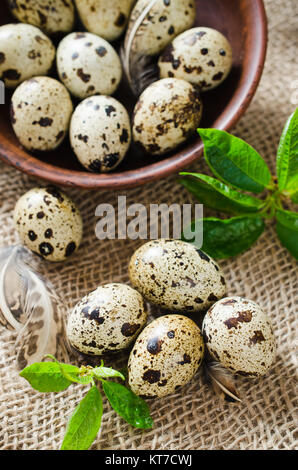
[[30, 306]]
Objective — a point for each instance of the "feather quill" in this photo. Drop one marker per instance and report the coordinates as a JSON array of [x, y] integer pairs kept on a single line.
[[30, 307], [222, 381], [140, 70]]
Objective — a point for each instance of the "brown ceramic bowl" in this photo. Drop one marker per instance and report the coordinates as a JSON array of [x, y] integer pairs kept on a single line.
[[244, 23]]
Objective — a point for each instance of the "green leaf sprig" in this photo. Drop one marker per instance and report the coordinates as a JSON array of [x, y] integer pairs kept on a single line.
[[238, 166], [85, 421]]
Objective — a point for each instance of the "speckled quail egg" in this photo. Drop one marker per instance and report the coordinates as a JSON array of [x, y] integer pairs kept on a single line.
[[88, 65], [100, 133], [176, 276], [48, 223], [108, 20], [202, 56], [52, 16], [163, 21], [168, 112], [24, 52], [41, 109], [165, 356], [108, 319], [238, 334]]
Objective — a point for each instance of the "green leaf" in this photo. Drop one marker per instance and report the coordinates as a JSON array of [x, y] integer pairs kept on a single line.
[[234, 161], [47, 376], [230, 237], [106, 372], [85, 422], [287, 230], [133, 409], [221, 196], [287, 155]]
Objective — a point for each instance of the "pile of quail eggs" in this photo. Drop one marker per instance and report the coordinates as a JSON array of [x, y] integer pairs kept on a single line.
[[64, 69], [181, 283]]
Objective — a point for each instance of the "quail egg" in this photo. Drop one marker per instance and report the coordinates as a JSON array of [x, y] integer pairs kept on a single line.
[[108, 319], [165, 356], [88, 65], [238, 334], [48, 223], [106, 20], [168, 112], [41, 109], [176, 276], [52, 16], [24, 52], [161, 23], [202, 56], [100, 133]]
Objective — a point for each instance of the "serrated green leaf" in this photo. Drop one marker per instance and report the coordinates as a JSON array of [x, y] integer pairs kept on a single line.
[[222, 197], [47, 376], [287, 230], [230, 237], [84, 423], [106, 372], [133, 409], [234, 161], [287, 155]]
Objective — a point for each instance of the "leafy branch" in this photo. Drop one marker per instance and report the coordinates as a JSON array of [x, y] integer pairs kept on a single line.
[[85, 421], [238, 166]]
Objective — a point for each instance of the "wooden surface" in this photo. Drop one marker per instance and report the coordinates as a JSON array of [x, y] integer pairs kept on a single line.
[[244, 23]]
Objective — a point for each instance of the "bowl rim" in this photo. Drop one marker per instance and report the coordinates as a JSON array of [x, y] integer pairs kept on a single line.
[[163, 168]]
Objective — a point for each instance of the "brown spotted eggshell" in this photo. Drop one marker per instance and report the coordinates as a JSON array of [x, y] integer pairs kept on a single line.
[[100, 133], [161, 23], [41, 109], [176, 276], [202, 56], [168, 112], [88, 65], [107, 320], [24, 53], [238, 334], [165, 356], [107, 19], [48, 223], [52, 16]]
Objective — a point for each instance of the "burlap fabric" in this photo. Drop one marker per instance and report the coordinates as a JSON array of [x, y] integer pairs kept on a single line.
[[192, 418]]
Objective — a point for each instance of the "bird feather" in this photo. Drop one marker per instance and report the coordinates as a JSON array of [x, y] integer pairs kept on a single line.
[[30, 307], [222, 381], [140, 70]]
